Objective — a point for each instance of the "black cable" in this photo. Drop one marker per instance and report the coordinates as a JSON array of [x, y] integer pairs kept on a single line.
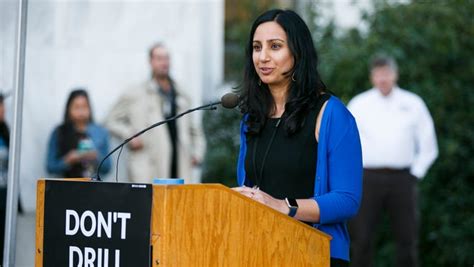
[[258, 179], [117, 164]]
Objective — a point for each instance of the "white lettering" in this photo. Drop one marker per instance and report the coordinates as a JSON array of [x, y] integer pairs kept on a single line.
[[106, 257], [117, 258], [72, 250], [124, 216], [102, 224], [89, 223], [84, 216], [74, 214], [89, 257], [99, 257]]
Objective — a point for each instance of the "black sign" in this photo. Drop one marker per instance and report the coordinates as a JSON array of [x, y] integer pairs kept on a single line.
[[96, 224]]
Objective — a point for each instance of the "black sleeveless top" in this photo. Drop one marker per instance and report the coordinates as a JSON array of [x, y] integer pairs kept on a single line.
[[282, 165]]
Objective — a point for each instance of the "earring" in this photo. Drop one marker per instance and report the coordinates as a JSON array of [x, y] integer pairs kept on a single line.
[[259, 82], [293, 77]]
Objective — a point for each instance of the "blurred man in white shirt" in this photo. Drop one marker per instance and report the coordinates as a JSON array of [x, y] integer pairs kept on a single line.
[[398, 146]]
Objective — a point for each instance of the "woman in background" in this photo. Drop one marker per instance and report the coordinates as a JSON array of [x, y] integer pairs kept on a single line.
[[4, 146], [78, 145]]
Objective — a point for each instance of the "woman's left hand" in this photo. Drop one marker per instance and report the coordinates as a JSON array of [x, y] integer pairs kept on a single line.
[[258, 195]]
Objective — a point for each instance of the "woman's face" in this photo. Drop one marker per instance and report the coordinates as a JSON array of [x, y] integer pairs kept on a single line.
[[271, 55], [79, 111]]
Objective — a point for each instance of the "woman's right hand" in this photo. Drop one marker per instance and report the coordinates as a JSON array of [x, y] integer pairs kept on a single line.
[[244, 190], [258, 195], [72, 157]]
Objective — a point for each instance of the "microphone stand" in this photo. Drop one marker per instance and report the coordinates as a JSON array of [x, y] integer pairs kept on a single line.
[[211, 106]]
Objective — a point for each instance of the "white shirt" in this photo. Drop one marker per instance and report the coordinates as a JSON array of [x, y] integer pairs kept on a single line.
[[396, 130]]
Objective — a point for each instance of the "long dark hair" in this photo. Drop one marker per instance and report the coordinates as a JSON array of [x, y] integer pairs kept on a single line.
[[305, 88], [68, 136], [4, 130], [73, 95]]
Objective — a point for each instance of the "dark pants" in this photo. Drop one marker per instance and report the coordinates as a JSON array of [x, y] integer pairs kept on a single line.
[[395, 192]]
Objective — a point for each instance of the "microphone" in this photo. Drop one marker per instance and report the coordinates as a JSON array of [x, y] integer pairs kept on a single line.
[[229, 101]]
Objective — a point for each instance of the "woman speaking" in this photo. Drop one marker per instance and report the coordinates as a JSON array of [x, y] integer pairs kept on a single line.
[[300, 150]]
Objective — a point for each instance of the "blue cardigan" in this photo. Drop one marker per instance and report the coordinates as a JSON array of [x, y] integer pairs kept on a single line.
[[100, 138], [338, 181]]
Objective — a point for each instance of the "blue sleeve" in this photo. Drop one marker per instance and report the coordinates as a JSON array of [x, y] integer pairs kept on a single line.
[[242, 153], [344, 171], [241, 159], [54, 163], [102, 144]]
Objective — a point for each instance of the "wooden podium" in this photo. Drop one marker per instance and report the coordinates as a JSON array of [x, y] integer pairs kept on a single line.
[[211, 225]]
